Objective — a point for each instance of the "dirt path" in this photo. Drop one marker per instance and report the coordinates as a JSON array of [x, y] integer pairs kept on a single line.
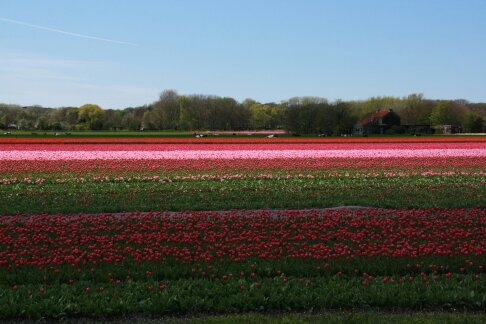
[[171, 214]]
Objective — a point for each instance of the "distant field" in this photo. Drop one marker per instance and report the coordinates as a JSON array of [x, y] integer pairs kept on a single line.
[[150, 227]]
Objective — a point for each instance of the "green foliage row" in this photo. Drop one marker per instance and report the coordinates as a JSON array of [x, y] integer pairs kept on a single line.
[[458, 191], [171, 270], [343, 316], [92, 293]]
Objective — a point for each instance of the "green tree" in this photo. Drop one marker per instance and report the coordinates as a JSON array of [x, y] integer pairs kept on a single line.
[[473, 123], [112, 119], [67, 117], [147, 121], [260, 116], [165, 113], [444, 114], [411, 112], [42, 123], [307, 118], [185, 116], [92, 115], [131, 118], [325, 120], [373, 104], [343, 118], [7, 114], [266, 116]]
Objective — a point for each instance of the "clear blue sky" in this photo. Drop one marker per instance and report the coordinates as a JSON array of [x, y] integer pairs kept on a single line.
[[121, 53]]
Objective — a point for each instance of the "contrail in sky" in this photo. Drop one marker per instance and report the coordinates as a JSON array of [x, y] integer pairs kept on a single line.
[[66, 32]]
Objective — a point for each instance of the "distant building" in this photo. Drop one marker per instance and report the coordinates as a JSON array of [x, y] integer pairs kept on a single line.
[[417, 129], [449, 129], [377, 123], [13, 126]]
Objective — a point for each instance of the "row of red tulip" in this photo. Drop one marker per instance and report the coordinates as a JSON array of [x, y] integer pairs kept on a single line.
[[113, 165], [44, 240]]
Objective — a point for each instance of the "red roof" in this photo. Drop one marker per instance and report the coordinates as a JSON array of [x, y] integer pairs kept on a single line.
[[373, 118], [381, 113]]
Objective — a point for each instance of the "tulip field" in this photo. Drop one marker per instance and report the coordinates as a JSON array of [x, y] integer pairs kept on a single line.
[[176, 226]]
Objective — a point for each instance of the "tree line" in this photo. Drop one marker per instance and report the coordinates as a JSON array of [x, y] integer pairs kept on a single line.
[[298, 115]]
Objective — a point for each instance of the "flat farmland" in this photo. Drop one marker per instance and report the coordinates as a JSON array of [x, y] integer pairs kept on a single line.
[[177, 226]]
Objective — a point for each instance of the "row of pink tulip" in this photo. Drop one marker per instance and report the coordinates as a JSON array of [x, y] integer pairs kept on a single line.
[[238, 154], [244, 146]]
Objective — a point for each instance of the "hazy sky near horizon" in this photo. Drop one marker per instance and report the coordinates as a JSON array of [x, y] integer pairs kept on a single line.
[[122, 53]]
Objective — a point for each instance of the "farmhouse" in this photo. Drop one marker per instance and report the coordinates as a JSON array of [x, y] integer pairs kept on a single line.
[[377, 123]]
